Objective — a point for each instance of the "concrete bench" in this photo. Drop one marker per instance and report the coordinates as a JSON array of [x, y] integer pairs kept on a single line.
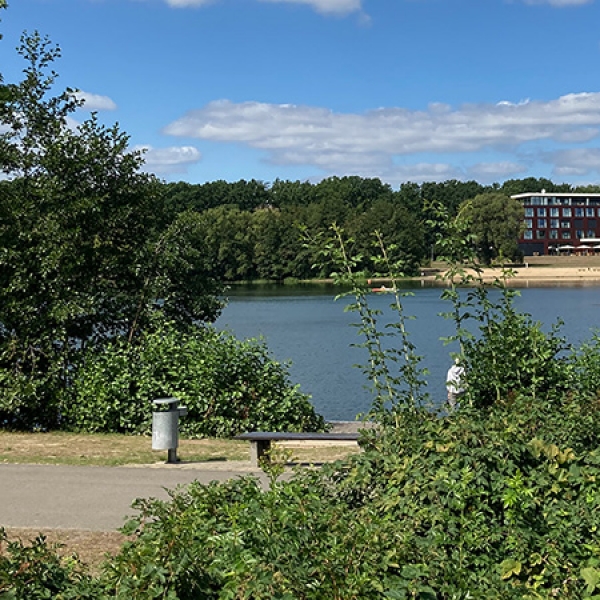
[[260, 441]]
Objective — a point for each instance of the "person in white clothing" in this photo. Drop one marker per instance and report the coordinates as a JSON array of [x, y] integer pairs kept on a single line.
[[454, 383]]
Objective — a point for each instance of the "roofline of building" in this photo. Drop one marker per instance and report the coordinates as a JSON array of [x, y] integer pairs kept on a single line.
[[545, 194]]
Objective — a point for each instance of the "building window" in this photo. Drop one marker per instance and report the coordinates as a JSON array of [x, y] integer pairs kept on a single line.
[[566, 212], [589, 212], [529, 211], [554, 234], [554, 212], [541, 212], [529, 223], [591, 233], [566, 235], [541, 223], [592, 223], [528, 235], [540, 234], [554, 223], [579, 234], [565, 224], [578, 211]]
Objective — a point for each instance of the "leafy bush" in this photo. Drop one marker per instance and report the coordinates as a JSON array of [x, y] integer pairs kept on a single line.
[[36, 572], [233, 540], [487, 501], [509, 353], [228, 385], [478, 504], [586, 366], [29, 389]]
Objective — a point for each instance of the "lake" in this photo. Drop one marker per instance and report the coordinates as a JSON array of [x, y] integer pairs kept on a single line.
[[307, 326]]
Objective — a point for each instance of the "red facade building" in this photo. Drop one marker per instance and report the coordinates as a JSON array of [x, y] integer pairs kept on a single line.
[[559, 222]]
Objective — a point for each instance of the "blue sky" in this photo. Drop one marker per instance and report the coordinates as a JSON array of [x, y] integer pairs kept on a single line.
[[403, 90]]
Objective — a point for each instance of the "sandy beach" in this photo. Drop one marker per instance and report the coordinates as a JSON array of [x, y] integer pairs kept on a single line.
[[541, 270]]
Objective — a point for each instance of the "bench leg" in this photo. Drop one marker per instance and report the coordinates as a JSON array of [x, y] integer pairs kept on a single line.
[[258, 450]]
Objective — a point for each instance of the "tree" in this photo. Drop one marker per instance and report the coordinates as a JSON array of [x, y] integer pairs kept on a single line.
[[87, 250], [450, 194], [496, 222], [401, 230], [531, 184], [291, 193]]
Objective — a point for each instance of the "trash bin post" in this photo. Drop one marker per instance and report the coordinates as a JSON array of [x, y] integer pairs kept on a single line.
[[165, 426]]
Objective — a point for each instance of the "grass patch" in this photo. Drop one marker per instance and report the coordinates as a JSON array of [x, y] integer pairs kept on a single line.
[[90, 449]]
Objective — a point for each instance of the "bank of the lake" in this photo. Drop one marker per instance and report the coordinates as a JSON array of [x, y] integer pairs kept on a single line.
[[535, 271], [539, 271]]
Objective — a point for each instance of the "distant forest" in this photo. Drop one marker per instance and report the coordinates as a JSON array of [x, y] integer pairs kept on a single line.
[[253, 230]]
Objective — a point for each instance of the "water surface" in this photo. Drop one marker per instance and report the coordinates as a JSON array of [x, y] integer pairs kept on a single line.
[[305, 324]]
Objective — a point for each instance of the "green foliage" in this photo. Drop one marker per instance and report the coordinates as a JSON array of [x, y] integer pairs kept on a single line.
[[229, 386], [586, 367], [535, 364], [86, 244], [496, 222], [37, 572], [234, 540], [272, 248], [487, 499]]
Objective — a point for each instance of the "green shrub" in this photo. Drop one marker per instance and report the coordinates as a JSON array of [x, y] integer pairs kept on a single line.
[[510, 353], [495, 503], [35, 571], [228, 385], [480, 504], [232, 540], [586, 367], [29, 388]]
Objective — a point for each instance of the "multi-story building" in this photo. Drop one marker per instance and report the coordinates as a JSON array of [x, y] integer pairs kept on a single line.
[[559, 222]]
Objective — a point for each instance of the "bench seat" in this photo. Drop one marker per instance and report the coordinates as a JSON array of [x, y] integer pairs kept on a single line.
[[260, 441]]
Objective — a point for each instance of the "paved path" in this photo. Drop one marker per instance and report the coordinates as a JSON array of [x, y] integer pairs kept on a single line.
[[94, 498]]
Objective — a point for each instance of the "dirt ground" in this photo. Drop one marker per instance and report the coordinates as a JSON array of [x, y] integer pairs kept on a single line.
[[539, 271], [91, 547]]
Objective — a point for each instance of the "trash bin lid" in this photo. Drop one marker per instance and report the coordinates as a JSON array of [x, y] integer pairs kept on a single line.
[[163, 401]]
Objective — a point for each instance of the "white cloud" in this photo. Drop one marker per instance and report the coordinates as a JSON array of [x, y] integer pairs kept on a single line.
[[575, 161], [488, 172], [339, 7], [560, 3], [95, 101], [174, 159], [365, 142], [188, 3], [326, 7]]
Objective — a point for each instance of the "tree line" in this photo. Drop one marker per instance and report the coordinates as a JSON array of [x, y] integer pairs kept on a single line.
[[254, 229]]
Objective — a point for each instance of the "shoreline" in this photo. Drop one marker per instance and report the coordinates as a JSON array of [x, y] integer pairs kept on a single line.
[[537, 271], [531, 274]]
